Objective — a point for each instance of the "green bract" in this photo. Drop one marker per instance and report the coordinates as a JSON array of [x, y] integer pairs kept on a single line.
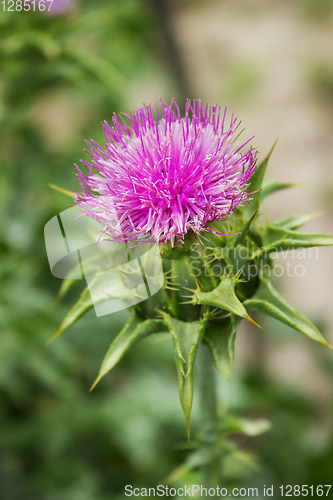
[[210, 285]]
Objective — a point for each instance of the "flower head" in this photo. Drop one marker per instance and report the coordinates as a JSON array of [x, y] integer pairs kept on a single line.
[[157, 178]]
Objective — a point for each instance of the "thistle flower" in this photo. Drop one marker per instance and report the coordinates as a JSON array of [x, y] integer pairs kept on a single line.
[[166, 180], [158, 178]]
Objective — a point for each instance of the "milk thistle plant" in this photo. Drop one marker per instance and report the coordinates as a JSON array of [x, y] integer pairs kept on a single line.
[[189, 185]]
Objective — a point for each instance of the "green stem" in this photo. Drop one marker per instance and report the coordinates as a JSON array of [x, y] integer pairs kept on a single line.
[[209, 419]]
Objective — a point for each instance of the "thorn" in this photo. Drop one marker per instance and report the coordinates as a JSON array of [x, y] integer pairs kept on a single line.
[[327, 345], [191, 289], [96, 382], [318, 214], [169, 272], [238, 274], [183, 360], [67, 192], [272, 149], [54, 336], [211, 260], [252, 321], [251, 219]]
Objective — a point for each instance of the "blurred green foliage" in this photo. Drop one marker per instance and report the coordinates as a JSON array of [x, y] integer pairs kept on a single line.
[[59, 78], [321, 78], [319, 10]]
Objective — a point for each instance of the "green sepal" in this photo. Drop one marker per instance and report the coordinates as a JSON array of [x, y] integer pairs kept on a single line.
[[295, 221], [220, 339], [256, 185], [149, 308], [200, 264], [135, 330], [233, 424], [186, 339], [279, 239], [272, 186], [223, 297], [217, 232], [184, 277], [269, 301], [240, 237]]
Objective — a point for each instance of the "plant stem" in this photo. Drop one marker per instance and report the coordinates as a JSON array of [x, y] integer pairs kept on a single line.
[[208, 409]]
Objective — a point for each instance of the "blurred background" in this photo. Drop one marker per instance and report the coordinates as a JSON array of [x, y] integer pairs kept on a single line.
[[61, 74]]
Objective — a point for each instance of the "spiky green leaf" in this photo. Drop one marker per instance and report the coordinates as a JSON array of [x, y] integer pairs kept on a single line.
[[223, 297], [94, 262], [255, 187], [186, 339], [133, 332], [295, 221], [80, 307], [102, 288], [272, 186], [277, 239], [66, 285], [269, 301], [220, 339], [240, 237]]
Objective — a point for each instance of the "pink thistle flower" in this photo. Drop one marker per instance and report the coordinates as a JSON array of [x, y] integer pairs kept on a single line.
[[157, 178]]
